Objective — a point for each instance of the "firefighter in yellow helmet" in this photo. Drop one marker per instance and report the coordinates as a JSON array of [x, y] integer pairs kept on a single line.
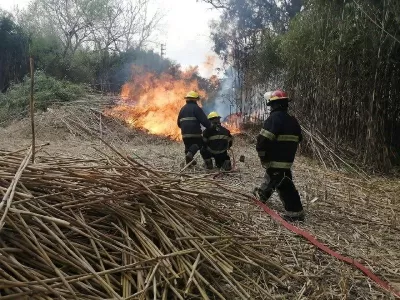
[[190, 117], [277, 146], [217, 141]]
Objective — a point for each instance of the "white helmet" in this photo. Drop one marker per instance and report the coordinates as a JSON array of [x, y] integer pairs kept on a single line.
[[267, 95]]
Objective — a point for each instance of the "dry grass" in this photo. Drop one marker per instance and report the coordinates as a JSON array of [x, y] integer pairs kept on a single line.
[[357, 217]]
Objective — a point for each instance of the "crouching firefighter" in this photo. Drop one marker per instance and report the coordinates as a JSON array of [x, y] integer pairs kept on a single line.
[[277, 146], [189, 119], [217, 141]]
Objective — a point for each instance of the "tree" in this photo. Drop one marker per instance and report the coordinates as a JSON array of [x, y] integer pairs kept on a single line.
[[86, 40], [340, 61], [247, 37], [244, 29], [100, 25], [351, 51], [13, 51]]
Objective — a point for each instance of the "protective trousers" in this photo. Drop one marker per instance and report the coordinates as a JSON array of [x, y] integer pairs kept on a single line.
[[220, 158], [281, 181], [192, 145]]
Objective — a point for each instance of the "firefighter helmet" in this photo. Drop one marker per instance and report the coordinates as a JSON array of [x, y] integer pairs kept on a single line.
[[276, 95], [267, 95], [213, 115], [192, 95]]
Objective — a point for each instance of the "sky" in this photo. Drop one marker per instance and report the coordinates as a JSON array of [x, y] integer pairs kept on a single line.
[[185, 30]]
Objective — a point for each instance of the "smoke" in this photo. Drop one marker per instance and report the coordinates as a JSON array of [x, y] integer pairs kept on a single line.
[[122, 72], [224, 102]]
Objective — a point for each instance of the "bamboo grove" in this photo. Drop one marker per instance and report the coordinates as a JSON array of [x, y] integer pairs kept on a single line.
[[346, 78], [340, 62]]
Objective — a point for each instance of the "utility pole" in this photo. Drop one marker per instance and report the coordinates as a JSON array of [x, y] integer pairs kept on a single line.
[[162, 50]]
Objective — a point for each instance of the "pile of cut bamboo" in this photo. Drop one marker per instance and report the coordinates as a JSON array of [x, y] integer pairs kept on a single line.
[[114, 228]]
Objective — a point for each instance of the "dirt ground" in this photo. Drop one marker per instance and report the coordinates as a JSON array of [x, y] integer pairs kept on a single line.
[[358, 217]]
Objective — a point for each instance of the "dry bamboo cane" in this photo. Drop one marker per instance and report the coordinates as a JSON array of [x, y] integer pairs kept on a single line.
[[189, 164], [8, 197], [32, 109], [156, 217]]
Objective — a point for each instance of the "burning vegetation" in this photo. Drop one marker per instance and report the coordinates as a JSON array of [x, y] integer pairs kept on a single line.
[[233, 122], [152, 101]]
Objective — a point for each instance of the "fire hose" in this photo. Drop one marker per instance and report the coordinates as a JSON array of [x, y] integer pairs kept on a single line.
[[308, 236]]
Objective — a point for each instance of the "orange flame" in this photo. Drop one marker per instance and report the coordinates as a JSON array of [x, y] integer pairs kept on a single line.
[[233, 122], [152, 102]]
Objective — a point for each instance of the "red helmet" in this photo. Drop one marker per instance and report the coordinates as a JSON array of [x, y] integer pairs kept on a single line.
[[277, 95]]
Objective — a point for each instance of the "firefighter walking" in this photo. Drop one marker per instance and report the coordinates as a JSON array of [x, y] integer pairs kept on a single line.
[[277, 145], [217, 141], [189, 119]]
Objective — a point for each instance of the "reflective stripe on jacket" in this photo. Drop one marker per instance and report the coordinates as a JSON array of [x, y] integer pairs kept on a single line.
[[278, 140], [217, 139], [189, 119]]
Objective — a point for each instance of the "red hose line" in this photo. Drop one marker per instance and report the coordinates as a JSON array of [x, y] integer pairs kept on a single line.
[[385, 285]]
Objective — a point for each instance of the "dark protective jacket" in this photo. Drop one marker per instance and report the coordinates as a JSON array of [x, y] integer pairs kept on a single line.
[[189, 119], [278, 140], [217, 139]]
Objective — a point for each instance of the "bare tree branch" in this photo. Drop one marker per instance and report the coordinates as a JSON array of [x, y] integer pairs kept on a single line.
[[103, 25], [218, 4]]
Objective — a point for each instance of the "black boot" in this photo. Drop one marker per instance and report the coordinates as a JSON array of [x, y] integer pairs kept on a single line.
[[208, 163], [260, 195], [189, 158], [227, 166]]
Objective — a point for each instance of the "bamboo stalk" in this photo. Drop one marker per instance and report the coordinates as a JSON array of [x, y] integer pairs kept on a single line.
[[32, 108], [75, 226]]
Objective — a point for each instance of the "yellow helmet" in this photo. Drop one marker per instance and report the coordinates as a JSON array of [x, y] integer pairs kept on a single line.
[[192, 95], [213, 115]]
